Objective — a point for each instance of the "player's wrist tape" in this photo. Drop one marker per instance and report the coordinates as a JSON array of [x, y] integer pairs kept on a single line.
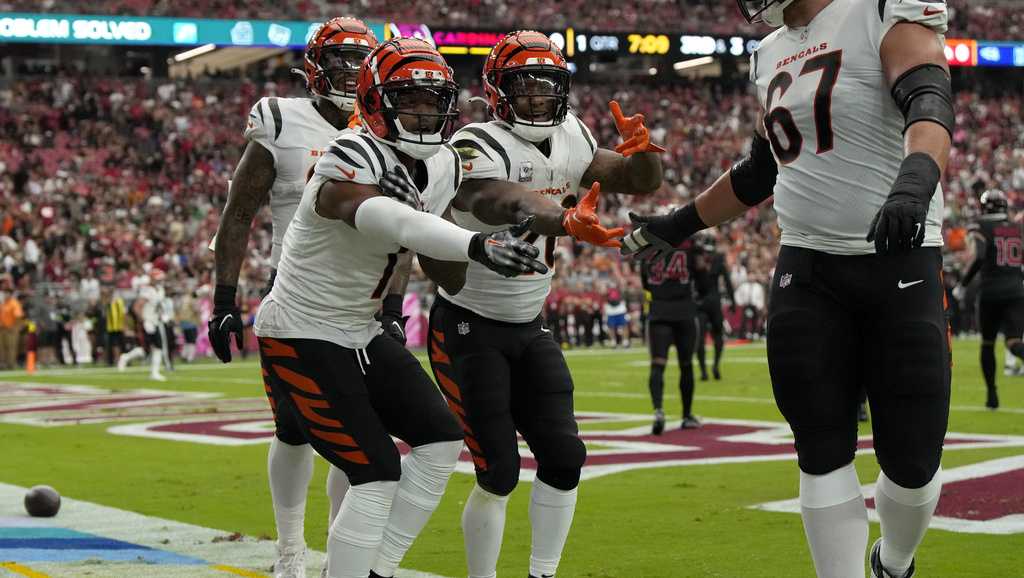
[[686, 221], [753, 178], [919, 177], [392, 305], [224, 298], [925, 93], [476, 247]]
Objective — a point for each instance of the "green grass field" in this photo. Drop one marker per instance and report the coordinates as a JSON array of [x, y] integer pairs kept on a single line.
[[667, 522]]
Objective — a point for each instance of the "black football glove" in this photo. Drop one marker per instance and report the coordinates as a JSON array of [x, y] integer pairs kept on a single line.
[[648, 239], [658, 234], [505, 254], [900, 223], [391, 318], [397, 185], [227, 319]]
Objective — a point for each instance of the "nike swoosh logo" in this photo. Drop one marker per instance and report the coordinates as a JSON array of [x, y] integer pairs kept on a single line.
[[222, 322], [348, 174], [903, 285], [929, 11]]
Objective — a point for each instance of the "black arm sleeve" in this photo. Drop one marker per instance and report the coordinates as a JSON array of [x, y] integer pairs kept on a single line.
[[925, 93], [753, 178]]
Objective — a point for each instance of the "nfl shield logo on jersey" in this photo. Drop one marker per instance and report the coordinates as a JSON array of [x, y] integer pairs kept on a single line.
[[463, 328], [785, 280], [526, 172]]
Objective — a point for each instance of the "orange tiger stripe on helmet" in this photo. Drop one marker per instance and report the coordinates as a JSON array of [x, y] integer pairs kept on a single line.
[[340, 31]]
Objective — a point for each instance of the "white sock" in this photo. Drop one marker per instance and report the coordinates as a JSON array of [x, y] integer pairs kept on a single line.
[[425, 474], [905, 514], [483, 524], [835, 522], [357, 531], [551, 512], [189, 352], [135, 353], [337, 487], [155, 358], [289, 469]]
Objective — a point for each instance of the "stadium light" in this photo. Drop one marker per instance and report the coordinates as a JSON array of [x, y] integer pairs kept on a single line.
[[693, 63], [197, 51]]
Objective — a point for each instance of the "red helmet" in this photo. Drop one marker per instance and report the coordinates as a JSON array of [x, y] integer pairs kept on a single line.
[[333, 56], [403, 78], [527, 64]]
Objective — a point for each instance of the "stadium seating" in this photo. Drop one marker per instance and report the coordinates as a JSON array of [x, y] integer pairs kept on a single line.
[[991, 20]]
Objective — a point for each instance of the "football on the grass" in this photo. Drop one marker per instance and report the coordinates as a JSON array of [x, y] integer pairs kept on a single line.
[[42, 502]]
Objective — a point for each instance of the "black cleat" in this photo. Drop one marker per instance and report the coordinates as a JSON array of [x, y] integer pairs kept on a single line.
[[992, 400], [659, 423], [716, 373], [703, 374], [878, 571], [376, 575], [862, 413], [691, 422]]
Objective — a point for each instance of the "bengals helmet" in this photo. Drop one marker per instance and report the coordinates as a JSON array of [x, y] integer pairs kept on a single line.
[[333, 56], [526, 84], [993, 201], [407, 97], [767, 11]]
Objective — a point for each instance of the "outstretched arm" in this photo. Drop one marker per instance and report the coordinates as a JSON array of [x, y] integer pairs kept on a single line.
[[750, 182], [497, 202], [364, 208]]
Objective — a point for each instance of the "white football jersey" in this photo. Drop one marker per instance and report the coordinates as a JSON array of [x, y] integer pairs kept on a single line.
[[331, 277], [296, 134], [836, 131], [490, 151], [151, 308]]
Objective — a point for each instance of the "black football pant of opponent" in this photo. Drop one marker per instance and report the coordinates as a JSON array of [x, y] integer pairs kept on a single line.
[[500, 378], [710, 318], [995, 316], [664, 334], [348, 403], [839, 323]]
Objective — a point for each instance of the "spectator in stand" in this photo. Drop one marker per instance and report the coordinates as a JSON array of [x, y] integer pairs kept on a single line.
[[751, 298], [616, 316], [113, 320], [11, 316]]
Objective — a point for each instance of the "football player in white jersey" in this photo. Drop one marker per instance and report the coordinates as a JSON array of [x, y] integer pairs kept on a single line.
[[853, 145], [147, 308], [500, 369], [286, 137], [349, 387]]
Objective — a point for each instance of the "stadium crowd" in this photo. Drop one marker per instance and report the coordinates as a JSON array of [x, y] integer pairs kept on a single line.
[[104, 179], [991, 20]]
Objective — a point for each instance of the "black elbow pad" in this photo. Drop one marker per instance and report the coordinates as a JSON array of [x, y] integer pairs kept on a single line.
[[753, 178], [925, 93]]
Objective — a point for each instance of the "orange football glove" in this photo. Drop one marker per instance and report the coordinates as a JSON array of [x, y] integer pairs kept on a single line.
[[353, 119], [635, 136], [582, 224]]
